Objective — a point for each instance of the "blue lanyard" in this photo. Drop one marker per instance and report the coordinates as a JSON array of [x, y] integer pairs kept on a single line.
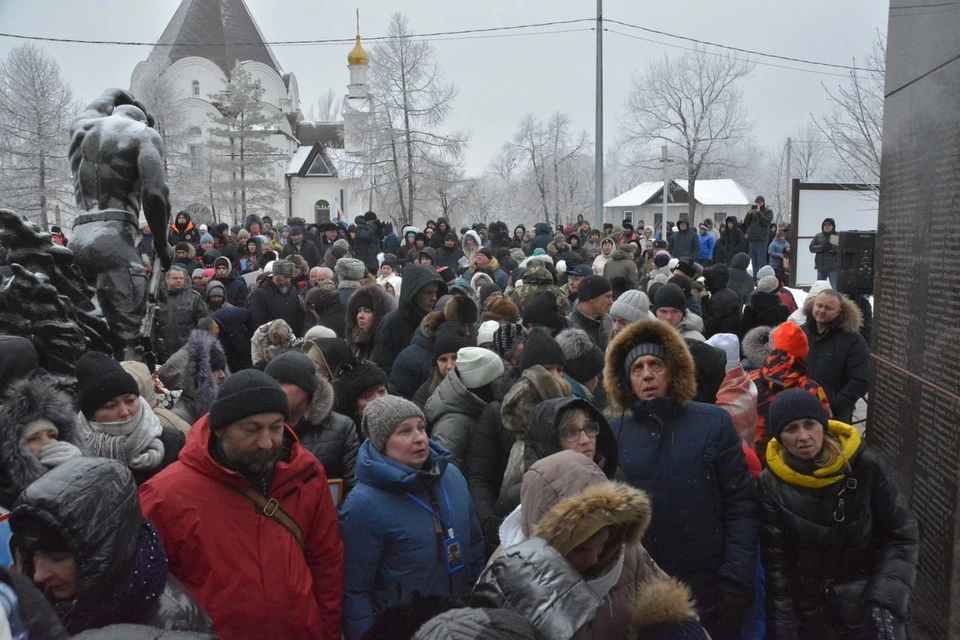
[[446, 525]]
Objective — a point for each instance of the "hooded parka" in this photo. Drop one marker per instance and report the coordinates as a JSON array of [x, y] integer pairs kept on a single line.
[[397, 328], [732, 242], [621, 265], [452, 411], [684, 242], [233, 286], [801, 548], [721, 310], [361, 340], [121, 566]]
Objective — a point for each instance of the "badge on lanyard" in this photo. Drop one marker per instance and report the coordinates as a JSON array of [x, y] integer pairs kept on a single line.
[[453, 552]]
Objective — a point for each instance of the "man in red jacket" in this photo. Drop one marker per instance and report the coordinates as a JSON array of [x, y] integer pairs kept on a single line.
[[247, 519]]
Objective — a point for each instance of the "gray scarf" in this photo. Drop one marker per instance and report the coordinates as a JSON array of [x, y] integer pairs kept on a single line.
[[135, 442]]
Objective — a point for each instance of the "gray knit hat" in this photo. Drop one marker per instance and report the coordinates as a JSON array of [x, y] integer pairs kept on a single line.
[[350, 269], [631, 306], [382, 416]]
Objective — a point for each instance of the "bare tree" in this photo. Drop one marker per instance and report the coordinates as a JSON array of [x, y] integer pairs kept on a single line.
[[327, 107], [36, 106], [691, 104], [156, 88], [410, 103], [809, 153], [855, 126]]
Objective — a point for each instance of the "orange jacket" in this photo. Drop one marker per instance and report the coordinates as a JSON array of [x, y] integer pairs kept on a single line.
[[245, 569]]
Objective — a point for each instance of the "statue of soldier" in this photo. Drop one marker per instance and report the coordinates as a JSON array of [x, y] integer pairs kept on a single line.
[[116, 158]]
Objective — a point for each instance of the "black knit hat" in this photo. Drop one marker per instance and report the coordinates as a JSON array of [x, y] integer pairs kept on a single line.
[[584, 358], [352, 379], [540, 348], [541, 308], [686, 267], [244, 394], [488, 290], [486, 252], [794, 404], [670, 296], [451, 337], [295, 368], [593, 287], [100, 379]]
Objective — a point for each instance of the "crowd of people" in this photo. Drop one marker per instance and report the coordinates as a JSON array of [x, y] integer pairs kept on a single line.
[[547, 433]]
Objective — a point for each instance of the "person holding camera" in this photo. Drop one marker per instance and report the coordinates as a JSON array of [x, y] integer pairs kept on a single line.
[[757, 227]]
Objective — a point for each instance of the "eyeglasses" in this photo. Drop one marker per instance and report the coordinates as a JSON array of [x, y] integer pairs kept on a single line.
[[572, 434]]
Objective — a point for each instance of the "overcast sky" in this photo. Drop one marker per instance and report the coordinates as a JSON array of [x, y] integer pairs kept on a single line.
[[500, 79]]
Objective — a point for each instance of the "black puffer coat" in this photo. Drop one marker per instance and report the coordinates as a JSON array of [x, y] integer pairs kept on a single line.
[[94, 506], [839, 358], [366, 245], [765, 310], [731, 242], [234, 286], [740, 281], [486, 462], [721, 311], [330, 436], [268, 303], [880, 541], [235, 332]]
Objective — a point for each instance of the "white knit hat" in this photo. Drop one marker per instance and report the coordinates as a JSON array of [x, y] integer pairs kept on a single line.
[[478, 367], [487, 329]]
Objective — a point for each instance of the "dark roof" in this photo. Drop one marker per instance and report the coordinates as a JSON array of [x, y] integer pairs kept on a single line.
[[222, 31], [330, 134]]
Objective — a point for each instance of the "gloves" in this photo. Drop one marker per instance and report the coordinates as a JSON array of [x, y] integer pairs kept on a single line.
[[57, 453], [879, 623], [731, 608]]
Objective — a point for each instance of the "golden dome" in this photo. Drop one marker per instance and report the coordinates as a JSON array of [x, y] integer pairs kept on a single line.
[[357, 55]]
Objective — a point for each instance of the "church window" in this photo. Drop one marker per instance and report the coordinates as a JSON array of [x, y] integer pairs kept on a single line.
[[196, 87], [320, 167], [194, 132], [194, 151], [321, 211]]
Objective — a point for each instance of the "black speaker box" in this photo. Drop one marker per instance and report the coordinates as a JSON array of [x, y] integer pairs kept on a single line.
[[857, 250]]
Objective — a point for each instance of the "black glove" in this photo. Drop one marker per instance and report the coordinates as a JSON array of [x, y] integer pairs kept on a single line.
[[734, 603], [879, 623]]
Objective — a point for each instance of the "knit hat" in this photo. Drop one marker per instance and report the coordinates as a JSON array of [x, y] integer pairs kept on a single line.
[[791, 338], [768, 284], [766, 270], [794, 404], [486, 331], [477, 624], [686, 267], [451, 337], [506, 339], [382, 416], [350, 269], [485, 252], [656, 349], [282, 268], [197, 273], [296, 231], [541, 308], [389, 260], [295, 368], [352, 379], [478, 367], [244, 394], [593, 287], [488, 290], [670, 296], [661, 259], [206, 238], [100, 379], [583, 357], [631, 306], [729, 343], [214, 289], [540, 348]]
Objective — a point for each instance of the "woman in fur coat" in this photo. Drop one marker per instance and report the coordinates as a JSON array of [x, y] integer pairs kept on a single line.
[[37, 433]]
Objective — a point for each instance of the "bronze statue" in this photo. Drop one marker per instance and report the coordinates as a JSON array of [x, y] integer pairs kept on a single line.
[[116, 158]]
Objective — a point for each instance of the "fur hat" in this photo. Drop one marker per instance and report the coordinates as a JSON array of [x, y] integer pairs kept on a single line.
[[382, 415], [350, 269], [461, 309], [502, 310], [352, 379], [584, 359], [663, 610], [683, 386], [244, 394], [282, 268], [757, 345], [532, 387]]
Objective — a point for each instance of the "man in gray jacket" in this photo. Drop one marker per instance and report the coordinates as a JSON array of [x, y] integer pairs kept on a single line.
[[179, 314], [757, 227]]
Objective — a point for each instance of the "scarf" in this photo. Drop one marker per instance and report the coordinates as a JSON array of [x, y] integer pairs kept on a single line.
[[132, 598], [135, 442]]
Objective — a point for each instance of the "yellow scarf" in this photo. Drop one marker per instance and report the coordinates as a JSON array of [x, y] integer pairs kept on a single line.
[[850, 442]]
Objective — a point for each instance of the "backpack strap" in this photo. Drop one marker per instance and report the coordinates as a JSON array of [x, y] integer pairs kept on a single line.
[[271, 509]]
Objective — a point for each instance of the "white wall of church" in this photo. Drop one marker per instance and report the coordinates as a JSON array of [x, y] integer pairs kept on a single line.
[[306, 192]]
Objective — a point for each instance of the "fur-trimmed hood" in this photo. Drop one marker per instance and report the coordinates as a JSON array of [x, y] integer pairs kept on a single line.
[[849, 321], [683, 387], [321, 405], [757, 345], [200, 387], [383, 303], [565, 499], [666, 602], [24, 402], [532, 387]]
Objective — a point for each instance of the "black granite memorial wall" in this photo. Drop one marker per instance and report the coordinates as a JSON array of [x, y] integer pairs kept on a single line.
[[914, 409]]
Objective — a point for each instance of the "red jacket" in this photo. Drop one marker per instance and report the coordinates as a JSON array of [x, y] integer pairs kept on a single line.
[[245, 569]]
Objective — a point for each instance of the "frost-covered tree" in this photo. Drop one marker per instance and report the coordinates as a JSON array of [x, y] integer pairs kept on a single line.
[[36, 107]]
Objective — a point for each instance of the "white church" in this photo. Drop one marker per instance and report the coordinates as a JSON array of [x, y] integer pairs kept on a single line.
[[319, 163]]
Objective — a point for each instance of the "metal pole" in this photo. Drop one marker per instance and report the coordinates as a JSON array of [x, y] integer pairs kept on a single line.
[[789, 178], [598, 153], [665, 158]]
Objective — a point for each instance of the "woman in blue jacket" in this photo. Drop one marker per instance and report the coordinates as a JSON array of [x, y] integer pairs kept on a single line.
[[409, 525]]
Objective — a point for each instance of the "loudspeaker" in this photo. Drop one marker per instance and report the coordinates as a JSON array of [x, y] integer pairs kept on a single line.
[[857, 250]]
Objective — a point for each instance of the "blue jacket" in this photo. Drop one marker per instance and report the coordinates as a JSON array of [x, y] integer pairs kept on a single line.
[[690, 462], [775, 252], [542, 239], [707, 243], [390, 542]]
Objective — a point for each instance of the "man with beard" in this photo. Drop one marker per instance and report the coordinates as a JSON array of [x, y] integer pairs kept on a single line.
[[275, 299], [247, 519]]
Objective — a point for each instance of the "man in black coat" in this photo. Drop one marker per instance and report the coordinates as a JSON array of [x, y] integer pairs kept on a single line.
[[731, 242], [234, 287], [275, 299], [684, 243], [757, 227], [421, 286], [722, 310], [366, 245], [298, 245]]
